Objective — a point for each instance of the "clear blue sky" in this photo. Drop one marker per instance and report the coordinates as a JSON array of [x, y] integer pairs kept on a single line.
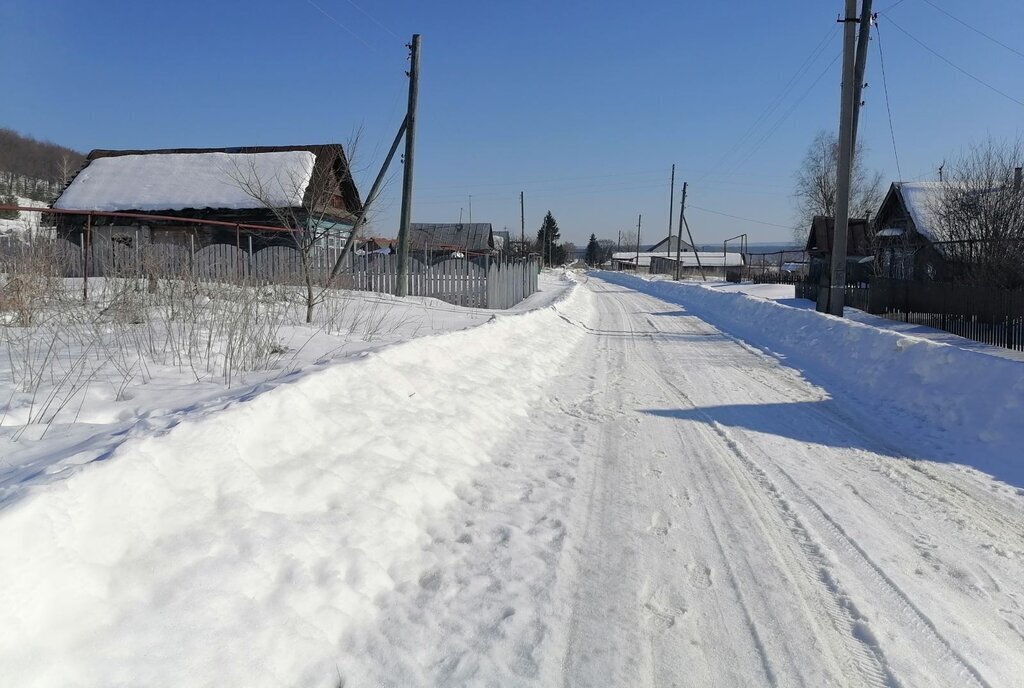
[[582, 105]]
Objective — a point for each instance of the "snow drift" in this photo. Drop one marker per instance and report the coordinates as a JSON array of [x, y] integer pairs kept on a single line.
[[963, 400], [239, 549]]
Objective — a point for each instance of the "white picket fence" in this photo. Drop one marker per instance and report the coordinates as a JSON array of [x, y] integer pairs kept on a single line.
[[478, 281], [482, 281]]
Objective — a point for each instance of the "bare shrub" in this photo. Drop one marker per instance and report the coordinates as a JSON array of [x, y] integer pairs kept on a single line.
[[980, 209]]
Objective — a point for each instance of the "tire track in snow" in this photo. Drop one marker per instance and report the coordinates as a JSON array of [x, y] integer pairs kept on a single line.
[[910, 614], [866, 655], [956, 503]]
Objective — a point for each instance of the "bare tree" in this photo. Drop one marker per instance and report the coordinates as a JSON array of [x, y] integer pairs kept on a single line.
[[569, 251], [311, 222], [816, 184], [980, 209]]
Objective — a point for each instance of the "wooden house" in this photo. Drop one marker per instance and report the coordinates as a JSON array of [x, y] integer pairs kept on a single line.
[[171, 192], [859, 250], [905, 232]]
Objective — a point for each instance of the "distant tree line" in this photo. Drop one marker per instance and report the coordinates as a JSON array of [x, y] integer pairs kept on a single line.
[[34, 169]]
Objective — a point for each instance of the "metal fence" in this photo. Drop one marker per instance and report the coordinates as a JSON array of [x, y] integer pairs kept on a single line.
[[981, 313], [776, 267]]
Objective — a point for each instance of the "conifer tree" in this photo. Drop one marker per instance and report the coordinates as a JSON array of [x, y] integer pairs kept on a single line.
[[547, 242], [593, 254]]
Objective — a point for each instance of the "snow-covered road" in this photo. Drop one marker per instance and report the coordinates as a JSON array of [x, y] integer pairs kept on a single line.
[[735, 525], [609, 491]]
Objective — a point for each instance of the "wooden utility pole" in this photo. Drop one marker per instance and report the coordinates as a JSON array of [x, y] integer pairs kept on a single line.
[[679, 239], [522, 225], [847, 109], [410, 149], [638, 218], [863, 41], [689, 234], [671, 207]]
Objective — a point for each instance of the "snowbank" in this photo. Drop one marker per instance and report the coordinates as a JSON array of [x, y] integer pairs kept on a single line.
[[241, 547], [962, 399]]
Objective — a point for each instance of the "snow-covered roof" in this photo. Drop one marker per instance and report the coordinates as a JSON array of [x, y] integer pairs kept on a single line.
[[687, 258], [176, 181], [921, 199]]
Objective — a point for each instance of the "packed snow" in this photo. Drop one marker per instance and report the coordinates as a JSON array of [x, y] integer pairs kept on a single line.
[[625, 482], [176, 181]]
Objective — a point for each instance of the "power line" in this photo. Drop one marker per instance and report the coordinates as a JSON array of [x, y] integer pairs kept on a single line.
[[737, 217], [371, 18], [350, 31], [975, 29], [774, 104], [955, 66], [888, 109], [895, 4], [786, 114], [650, 173]]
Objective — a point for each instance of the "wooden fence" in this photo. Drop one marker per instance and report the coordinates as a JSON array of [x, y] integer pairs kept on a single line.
[[480, 281], [982, 313]]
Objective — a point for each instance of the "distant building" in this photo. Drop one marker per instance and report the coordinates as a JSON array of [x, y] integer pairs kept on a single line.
[[628, 260], [502, 240], [859, 251], [667, 246], [438, 239]]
